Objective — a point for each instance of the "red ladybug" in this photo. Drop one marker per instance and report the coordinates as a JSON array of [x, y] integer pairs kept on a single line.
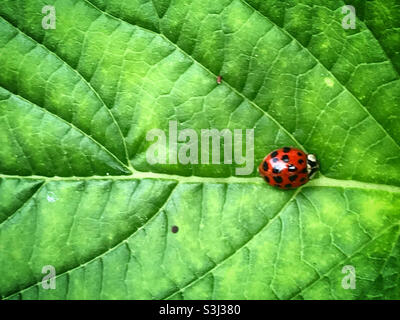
[[288, 168]]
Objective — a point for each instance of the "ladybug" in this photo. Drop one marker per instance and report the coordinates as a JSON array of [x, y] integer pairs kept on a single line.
[[288, 168]]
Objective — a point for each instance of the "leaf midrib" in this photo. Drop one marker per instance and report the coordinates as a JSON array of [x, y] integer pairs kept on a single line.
[[321, 181]]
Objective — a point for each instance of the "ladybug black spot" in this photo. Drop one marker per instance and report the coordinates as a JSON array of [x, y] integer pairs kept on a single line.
[[293, 177], [285, 158], [299, 154], [300, 161], [266, 179], [286, 149], [302, 179], [265, 166], [278, 179], [275, 159], [288, 185], [292, 168], [304, 170], [276, 170], [274, 154]]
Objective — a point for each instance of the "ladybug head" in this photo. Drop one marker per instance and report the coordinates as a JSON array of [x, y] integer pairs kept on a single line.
[[312, 165]]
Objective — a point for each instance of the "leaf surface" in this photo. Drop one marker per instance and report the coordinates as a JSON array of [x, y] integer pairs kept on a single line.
[[76, 191]]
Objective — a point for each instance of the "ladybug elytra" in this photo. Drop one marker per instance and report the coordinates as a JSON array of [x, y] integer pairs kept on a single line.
[[288, 168]]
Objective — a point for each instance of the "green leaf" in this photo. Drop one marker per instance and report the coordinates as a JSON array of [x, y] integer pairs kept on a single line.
[[76, 190]]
